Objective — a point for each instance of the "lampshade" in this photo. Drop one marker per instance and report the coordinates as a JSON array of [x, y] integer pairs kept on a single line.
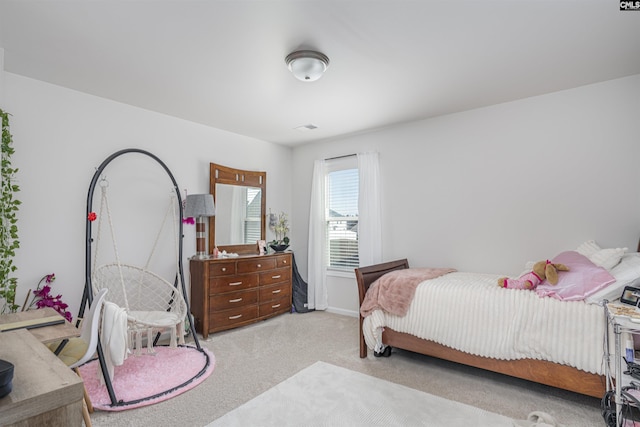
[[307, 65], [199, 205]]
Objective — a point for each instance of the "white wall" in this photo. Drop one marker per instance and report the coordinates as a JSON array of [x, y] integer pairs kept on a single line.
[[490, 189], [486, 190], [61, 136], [1, 76]]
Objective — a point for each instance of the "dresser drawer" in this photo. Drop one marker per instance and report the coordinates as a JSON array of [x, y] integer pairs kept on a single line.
[[280, 305], [227, 318], [255, 265], [283, 261], [224, 284], [275, 276], [222, 268], [233, 300], [269, 293]]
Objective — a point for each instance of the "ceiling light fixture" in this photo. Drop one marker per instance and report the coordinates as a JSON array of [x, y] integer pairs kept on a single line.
[[307, 65]]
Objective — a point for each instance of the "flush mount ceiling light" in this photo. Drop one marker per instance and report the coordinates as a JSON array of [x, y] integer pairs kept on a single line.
[[307, 65]]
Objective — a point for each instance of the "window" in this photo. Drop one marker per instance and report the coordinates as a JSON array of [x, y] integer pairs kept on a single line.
[[342, 213], [252, 224]]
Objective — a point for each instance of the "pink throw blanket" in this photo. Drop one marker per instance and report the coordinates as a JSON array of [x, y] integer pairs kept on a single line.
[[394, 291]]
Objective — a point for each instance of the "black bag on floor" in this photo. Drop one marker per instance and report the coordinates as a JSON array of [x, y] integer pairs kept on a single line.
[[300, 290]]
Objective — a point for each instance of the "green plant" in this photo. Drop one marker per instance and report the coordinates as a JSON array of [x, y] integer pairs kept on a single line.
[[8, 221]]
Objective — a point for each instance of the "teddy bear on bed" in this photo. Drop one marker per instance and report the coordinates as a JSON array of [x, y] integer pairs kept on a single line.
[[541, 270]]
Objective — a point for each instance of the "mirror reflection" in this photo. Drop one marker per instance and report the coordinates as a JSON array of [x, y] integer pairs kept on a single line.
[[238, 214]]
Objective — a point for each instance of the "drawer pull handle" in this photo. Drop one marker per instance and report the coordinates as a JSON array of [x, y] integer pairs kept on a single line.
[[259, 265], [276, 277], [224, 268], [235, 283], [284, 262], [235, 300], [277, 291], [235, 317], [275, 306]]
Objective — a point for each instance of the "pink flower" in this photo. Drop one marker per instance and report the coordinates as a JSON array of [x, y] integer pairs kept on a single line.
[[188, 220], [44, 292], [42, 298]]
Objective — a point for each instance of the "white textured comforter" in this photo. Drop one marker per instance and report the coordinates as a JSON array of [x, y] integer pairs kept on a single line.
[[471, 313]]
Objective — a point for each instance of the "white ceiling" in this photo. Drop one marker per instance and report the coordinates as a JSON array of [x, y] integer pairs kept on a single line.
[[221, 62]]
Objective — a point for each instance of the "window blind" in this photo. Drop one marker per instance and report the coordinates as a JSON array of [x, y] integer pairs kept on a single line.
[[342, 218], [252, 229]]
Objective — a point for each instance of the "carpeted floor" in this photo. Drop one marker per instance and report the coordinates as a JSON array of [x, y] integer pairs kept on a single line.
[[251, 360], [328, 395]]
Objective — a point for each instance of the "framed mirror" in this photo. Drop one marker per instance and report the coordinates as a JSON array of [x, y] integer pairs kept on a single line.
[[240, 200]]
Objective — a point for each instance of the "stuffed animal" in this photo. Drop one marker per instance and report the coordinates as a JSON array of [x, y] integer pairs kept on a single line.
[[541, 270]]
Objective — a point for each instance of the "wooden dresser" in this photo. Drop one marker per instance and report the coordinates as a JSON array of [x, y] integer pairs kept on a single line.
[[231, 292]]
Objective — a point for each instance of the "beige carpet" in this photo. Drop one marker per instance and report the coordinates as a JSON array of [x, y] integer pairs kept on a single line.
[[328, 395], [253, 359]]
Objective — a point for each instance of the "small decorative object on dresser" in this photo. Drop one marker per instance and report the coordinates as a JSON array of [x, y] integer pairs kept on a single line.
[[279, 248], [230, 292], [262, 247], [280, 228]]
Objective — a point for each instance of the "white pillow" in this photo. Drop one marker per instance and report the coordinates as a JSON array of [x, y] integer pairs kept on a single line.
[[607, 258], [626, 273], [588, 248], [628, 269]]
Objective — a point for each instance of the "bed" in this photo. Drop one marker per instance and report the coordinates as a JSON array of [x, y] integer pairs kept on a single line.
[[551, 336]]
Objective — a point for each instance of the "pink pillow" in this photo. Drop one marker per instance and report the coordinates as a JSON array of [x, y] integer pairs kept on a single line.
[[583, 278]]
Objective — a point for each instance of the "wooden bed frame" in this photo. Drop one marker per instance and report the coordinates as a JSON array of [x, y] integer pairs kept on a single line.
[[543, 372]]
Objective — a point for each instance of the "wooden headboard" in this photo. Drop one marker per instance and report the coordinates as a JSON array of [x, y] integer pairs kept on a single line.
[[365, 276]]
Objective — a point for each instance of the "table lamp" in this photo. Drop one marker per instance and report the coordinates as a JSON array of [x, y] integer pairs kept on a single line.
[[200, 206]]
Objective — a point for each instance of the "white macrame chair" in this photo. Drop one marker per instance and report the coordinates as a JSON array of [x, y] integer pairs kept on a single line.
[[152, 304]]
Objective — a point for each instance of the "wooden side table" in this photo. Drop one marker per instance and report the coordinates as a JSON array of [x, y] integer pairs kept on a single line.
[[45, 391]]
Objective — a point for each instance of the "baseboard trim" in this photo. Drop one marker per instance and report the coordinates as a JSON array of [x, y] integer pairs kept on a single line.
[[342, 311]]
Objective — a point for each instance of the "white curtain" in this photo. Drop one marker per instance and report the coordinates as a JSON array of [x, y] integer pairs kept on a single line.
[[317, 290], [369, 218]]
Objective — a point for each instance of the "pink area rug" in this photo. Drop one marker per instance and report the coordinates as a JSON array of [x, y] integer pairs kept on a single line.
[[148, 379]]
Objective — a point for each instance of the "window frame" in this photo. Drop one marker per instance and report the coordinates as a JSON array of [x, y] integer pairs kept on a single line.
[[335, 165]]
